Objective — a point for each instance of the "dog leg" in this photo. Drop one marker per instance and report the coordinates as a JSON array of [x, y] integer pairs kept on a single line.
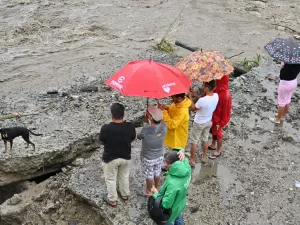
[[11, 144], [33, 145], [5, 146], [29, 142]]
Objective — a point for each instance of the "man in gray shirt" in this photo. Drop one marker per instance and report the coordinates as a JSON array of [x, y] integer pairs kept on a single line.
[[152, 137]]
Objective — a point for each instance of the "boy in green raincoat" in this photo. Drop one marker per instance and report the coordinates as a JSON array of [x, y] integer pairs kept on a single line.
[[175, 188]]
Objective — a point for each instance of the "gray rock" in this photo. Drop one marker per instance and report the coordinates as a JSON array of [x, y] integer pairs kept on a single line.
[[89, 89], [91, 79], [288, 139], [35, 163], [52, 90], [296, 36], [78, 162], [14, 200]]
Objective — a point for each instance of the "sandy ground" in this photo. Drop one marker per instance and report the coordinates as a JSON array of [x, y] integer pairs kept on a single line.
[[64, 44]]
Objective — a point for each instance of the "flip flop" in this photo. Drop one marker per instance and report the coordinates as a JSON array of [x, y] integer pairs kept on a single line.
[[124, 198], [214, 156], [273, 120], [192, 164], [105, 199], [210, 148], [203, 162], [283, 119]]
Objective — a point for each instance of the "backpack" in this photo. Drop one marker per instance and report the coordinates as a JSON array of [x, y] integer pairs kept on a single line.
[[156, 212]]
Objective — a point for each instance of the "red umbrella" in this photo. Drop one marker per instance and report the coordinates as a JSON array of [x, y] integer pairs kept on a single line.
[[146, 78]]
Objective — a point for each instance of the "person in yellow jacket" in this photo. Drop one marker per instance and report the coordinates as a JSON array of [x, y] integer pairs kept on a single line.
[[177, 117]]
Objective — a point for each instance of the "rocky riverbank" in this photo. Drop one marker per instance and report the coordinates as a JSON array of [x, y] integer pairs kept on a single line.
[[252, 183]]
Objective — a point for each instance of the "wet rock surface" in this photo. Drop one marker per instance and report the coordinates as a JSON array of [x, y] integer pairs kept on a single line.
[[49, 202], [252, 183]]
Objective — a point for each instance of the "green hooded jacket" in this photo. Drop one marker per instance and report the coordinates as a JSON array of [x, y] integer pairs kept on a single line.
[[175, 188]]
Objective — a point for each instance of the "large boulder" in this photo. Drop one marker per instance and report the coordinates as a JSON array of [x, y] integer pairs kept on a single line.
[[69, 130]]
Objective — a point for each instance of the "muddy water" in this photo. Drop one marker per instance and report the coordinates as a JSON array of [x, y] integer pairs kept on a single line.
[[48, 44], [226, 179]]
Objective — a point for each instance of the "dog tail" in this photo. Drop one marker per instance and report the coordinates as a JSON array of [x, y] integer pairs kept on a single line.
[[34, 133]]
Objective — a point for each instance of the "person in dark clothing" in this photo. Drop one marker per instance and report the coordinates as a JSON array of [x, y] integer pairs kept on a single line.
[[287, 85], [116, 138]]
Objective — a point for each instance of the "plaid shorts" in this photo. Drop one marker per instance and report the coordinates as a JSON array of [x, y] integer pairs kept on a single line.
[[152, 168]]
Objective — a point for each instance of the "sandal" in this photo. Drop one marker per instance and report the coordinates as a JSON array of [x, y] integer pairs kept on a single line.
[[282, 118], [274, 120], [124, 198], [192, 164], [203, 162], [105, 199], [214, 156], [211, 148]]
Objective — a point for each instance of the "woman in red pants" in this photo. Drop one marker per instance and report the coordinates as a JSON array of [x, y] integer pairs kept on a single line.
[[221, 115]]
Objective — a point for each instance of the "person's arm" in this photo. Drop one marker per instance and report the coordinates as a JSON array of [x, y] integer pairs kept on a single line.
[[226, 110], [141, 135], [194, 107], [134, 136], [195, 94], [168, 197], [102, 135], [173, 122]]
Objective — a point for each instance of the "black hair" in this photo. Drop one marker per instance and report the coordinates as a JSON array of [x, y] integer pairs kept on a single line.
[[156, 122], [171, 157], [117, 111], [211, 85], [182, 95]]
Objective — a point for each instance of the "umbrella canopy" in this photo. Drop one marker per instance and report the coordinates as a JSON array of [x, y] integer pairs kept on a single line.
[[146, 78], [286, 50], [205, 66]]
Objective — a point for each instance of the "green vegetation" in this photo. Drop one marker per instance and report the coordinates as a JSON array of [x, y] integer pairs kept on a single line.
[[249, 64], [164, 46]]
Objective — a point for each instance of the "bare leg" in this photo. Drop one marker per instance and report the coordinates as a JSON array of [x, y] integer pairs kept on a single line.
[[5, 146], [286, 110], [149, 185], [217, 153], [193, 153], [156, 182], [280, 113], [213, 143], [205, 150], [219, 146]]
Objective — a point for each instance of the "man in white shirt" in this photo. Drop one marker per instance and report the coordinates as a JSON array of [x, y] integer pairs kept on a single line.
[[204, 107]]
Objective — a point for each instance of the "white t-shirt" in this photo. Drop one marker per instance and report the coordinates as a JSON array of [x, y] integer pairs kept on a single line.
[[206, 107]]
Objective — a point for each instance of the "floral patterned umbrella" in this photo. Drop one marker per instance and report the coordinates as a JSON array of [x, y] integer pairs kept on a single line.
[[286, 50], [205, 66]]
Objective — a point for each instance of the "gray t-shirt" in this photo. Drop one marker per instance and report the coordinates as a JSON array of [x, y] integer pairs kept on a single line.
[[153, 140]]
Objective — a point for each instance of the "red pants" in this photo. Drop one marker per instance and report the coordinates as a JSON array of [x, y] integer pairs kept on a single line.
[[217, 133]]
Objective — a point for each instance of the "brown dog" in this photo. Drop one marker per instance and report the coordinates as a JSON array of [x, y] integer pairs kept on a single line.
[[9, 134]]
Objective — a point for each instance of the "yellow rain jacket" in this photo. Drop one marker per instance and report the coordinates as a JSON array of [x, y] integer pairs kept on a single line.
[[177, 119]]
